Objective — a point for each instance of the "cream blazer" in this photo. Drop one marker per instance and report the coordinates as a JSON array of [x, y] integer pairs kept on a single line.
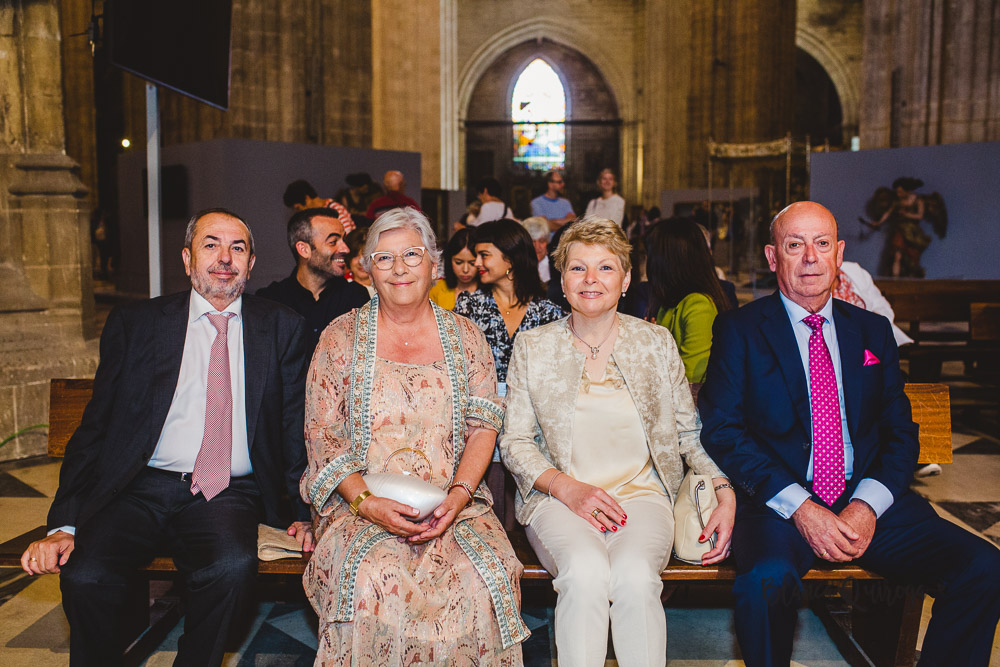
[[543, 383]]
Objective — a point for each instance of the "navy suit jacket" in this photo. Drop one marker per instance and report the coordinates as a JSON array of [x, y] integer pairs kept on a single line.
[[755, 408], [141, 349]]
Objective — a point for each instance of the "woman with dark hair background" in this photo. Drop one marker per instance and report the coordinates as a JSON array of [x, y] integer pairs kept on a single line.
[[510, 297], [685, 293], [460, 272]]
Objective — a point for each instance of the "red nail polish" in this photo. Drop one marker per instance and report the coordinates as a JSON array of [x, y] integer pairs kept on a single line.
[[624, 516], [603, 529], [623, 521], [614, 528]]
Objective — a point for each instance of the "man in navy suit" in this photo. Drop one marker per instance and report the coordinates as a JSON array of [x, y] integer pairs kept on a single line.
[[767, 422], [206, 370]]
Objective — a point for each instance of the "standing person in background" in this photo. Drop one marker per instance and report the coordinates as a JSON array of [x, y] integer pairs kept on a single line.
[[510, 298], [355, 244], [316, 289], [552, 206], [394, 197], [460, 272], [609, 205], [538, 229], [300, 195], [685, 295], [492, 206]]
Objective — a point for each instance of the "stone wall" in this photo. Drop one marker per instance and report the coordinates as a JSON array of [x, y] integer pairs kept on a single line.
[[46, 304], [931, 72]]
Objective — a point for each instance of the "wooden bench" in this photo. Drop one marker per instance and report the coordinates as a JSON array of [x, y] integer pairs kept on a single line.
[[975, 304], [878, 634]]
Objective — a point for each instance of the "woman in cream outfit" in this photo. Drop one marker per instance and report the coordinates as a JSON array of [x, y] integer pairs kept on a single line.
[[599, 424]]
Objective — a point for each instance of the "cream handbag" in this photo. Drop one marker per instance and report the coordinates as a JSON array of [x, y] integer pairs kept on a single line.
[[406, 487], [692, 508]]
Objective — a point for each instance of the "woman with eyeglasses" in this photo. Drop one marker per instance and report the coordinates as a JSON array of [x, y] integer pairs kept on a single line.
[[510, 298], [401, 385]]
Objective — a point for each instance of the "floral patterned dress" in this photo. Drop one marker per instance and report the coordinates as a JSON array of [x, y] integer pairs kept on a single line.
[[482, 309], [381, 601]]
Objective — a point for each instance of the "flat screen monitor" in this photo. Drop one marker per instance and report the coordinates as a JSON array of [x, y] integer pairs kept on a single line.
[[183, 45]]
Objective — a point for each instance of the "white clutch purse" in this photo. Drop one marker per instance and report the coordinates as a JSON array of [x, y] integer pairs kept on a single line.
[[692, 508], [407, 489]]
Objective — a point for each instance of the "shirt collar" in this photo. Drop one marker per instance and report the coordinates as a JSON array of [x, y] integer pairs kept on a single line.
[[200, 306], [797, 313]]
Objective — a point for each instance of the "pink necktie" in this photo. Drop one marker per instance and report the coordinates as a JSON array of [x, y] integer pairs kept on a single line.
[[213, 466], [828, 438]]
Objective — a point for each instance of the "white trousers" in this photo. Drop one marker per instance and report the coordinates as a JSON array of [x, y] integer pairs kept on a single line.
[[602, 577]]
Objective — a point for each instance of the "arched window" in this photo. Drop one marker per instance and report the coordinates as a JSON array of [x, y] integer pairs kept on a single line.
[[538, 109]]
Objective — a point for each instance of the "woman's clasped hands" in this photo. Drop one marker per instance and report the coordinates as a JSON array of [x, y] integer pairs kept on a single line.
[[589, 502]]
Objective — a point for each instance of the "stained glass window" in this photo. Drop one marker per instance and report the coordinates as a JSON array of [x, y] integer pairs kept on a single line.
[[538, 109]]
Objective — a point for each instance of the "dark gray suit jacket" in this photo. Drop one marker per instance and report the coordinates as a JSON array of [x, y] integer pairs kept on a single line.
[[141, 349]]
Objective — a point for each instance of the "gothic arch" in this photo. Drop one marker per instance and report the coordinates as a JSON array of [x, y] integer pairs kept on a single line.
[[840, 73], [543, 27]]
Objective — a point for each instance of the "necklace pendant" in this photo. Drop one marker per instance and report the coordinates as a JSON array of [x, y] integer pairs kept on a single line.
[[594, 351]]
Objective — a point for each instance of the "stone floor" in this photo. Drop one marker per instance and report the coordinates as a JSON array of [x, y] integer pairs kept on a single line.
[[33, 630]]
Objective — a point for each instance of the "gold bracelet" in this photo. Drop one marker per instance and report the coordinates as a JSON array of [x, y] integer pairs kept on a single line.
[[548, 490], [357, 501], [726, 485], [462, 485]]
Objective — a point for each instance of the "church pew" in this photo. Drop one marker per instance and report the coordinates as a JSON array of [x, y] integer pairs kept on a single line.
[[871, 633]]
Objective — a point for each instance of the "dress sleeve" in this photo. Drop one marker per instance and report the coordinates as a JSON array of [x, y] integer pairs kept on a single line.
[[485, 408], [331, 457]]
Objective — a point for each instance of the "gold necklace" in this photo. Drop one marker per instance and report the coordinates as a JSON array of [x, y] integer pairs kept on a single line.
[[594, 349]]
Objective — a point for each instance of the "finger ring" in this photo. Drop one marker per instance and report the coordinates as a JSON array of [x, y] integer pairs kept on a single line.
[[596, 512], [824, 554], [32, 560]]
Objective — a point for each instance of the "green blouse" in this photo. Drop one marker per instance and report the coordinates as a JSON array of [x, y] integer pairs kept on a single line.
[[690, 323]]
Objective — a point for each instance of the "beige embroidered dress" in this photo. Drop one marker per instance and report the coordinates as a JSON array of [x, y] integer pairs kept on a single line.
[[381, 601]]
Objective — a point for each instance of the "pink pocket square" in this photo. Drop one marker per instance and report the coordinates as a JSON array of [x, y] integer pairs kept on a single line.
[[870, 359]]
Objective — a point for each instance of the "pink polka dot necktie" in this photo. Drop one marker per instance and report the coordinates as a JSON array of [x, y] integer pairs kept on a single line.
[[212, 468], [828, 436]]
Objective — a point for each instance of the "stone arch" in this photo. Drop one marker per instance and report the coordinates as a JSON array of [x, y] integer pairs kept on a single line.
[[840, 72]]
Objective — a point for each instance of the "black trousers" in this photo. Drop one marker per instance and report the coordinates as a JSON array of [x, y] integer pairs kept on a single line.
[[912, 546], [213, 544]]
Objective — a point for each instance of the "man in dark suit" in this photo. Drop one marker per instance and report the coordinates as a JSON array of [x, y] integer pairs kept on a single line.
[[194, 434], [803, 409]]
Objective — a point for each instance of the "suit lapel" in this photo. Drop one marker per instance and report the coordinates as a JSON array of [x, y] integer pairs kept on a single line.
[[256, 352], [851, 345], [777, 331], [169, 334]]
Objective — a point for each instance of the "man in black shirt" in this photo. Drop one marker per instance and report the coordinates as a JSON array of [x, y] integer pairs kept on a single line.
[[317, 290]]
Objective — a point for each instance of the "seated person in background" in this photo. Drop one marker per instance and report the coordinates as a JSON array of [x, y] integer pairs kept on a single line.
[[728, 288], [685, 295], [551, 205], [164, 463], [510, 298], [388, 589], [300, 195], [394, 197], [460, 272], [599, 426], [492, 206], [608, 205], [804, 409], [855, 286], [316, 289], [355, 242], [538, 230]]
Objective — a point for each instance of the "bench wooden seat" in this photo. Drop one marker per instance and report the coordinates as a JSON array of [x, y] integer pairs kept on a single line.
[[890, 638]]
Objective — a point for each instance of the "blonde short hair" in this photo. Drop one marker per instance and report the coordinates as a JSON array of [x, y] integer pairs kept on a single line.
[[592, 230]]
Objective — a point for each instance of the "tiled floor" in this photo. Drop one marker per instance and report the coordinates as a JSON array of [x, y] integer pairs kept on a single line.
[[33, 630]]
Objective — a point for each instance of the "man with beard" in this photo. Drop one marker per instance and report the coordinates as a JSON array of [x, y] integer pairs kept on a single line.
[[317, 289], [193, 435]]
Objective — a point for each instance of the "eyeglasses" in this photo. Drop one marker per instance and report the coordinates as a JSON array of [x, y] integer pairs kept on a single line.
[[410, 256]]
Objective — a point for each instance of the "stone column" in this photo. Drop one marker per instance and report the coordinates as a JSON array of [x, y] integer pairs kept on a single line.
[[46, 303]]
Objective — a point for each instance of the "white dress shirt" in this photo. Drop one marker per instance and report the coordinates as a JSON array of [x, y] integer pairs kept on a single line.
[[871, 491], [184, 427]]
